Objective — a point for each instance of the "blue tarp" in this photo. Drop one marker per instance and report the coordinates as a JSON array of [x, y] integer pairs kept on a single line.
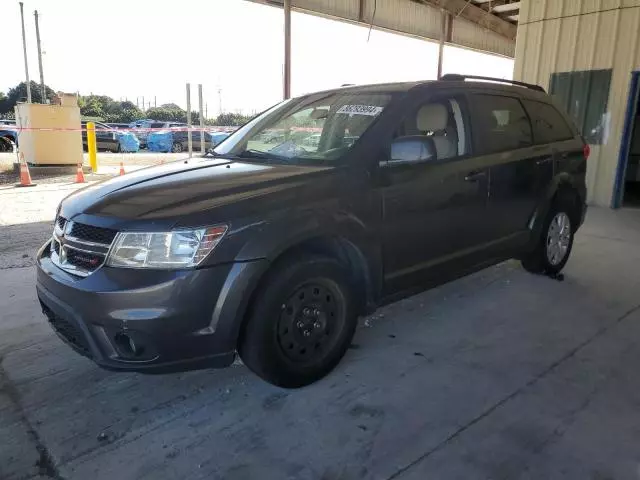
[[128, 142], [160, 141]]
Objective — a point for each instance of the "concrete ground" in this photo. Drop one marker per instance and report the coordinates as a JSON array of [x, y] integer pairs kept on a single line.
[[499, 375]]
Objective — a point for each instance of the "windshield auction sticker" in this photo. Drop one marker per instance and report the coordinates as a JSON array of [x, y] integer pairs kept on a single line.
[[370, 110]]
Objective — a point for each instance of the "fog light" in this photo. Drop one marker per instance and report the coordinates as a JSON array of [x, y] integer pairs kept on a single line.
[[127, 346]]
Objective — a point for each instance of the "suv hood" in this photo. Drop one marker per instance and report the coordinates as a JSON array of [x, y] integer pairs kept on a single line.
[[174, 191]]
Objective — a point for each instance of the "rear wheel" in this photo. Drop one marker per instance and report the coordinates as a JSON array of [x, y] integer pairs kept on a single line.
[[301, 323], [556, 240], [176, 147]]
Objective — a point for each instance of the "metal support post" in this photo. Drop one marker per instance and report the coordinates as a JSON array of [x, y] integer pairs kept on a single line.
[[443, 35], [203, 142], [189, 137], [287, 49]]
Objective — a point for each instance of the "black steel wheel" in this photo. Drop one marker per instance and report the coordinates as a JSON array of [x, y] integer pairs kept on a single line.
[[310, 321], [301, 322]]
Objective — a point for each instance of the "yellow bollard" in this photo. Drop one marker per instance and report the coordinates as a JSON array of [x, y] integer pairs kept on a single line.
[[91, 146]]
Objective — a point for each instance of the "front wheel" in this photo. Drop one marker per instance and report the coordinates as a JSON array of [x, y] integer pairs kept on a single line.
[[555, 243], [176, 147], [301, 323]]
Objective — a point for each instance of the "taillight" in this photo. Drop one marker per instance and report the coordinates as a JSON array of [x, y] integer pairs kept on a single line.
[[586, 151]]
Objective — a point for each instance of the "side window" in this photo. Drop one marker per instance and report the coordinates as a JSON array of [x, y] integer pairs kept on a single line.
[[548, 124], [442, 122], [500, 123]]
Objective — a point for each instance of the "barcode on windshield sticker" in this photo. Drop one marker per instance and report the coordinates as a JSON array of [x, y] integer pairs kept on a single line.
[[371, 110]]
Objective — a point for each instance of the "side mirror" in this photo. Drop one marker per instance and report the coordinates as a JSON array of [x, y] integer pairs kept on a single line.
[[412, 149]]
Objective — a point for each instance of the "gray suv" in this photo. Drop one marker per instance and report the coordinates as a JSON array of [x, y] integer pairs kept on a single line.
[[271, 250]]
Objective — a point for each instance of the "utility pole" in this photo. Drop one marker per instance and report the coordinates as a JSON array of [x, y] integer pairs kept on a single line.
[[24, 48], [42, 87], [154, 102]]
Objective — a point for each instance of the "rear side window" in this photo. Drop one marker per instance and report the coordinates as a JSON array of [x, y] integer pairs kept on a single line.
[[548, 124], [500, 123]]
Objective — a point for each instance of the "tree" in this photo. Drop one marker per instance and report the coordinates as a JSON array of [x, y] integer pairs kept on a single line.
[[109, 110], [170, 112], [19, 94], [231, 119]]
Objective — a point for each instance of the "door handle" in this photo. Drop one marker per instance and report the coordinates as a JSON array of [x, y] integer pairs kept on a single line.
[[475, 176], [542, 161]]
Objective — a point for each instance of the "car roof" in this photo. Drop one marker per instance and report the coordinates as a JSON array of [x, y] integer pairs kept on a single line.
[[403, 87]]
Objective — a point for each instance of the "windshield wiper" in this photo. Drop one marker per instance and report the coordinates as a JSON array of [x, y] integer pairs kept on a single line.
[[250, 153]]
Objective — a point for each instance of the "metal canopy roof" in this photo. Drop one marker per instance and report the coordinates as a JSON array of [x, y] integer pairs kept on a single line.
[[485, 25], [508, 10]]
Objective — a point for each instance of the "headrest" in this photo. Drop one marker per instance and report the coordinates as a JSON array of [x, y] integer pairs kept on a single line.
[[432, 117]]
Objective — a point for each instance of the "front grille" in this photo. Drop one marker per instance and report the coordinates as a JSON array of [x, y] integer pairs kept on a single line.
[[92, 234], [78, 248], [84, 260], [68, 331]]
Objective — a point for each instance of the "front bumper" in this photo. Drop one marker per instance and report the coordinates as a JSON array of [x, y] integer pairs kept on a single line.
[[149, 320]]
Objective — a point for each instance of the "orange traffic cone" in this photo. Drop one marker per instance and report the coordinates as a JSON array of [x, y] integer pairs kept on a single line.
[[25, 176], [80, 174], [121, 168]]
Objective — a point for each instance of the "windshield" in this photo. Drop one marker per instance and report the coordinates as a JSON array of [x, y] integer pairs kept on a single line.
[[312, 129]]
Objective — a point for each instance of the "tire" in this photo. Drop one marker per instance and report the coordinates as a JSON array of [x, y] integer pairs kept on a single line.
[[301, 322], [5, 145], [118, 148], [176, 147], [554, 246]]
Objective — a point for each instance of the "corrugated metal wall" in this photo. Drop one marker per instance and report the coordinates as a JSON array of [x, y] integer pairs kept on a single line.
[[573, 35], [409, 18]]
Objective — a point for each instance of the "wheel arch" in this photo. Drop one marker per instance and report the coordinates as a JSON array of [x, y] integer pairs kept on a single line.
[[341, 248], [562, 186]]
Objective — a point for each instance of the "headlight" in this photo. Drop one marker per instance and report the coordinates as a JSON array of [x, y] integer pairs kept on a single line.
[[176, 249]]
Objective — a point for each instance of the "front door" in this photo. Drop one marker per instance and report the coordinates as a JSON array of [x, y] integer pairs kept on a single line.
[[433, 211]]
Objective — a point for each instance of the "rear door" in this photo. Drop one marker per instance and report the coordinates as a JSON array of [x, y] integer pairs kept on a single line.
[[520, 169], [550, 128]]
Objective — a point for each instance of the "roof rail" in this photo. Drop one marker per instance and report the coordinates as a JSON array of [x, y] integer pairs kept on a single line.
[[461, 78]]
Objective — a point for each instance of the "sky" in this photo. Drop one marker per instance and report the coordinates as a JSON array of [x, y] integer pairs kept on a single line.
[[129, 49]]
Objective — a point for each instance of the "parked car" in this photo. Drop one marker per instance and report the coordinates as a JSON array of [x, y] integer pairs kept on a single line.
[[8, 137], [118, 126], [108, 138], [142, 129], [273, 251], [176, 141]]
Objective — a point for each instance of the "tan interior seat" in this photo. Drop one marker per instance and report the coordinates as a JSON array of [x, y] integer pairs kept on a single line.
[[433, 119]]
